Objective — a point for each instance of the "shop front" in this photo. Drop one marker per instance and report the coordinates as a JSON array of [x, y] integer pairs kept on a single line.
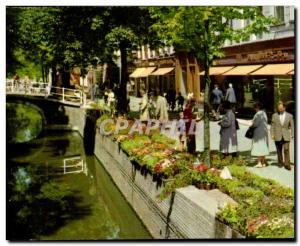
[[179, 73], [262, 71]]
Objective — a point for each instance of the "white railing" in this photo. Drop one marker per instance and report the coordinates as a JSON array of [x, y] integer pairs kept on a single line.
[[67, 94], [30, 88], [43, 89]]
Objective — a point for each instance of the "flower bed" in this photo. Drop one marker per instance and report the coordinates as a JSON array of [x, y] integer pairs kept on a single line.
[[265, 209]]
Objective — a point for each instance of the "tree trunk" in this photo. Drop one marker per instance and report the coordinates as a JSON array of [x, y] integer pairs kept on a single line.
[[122, 97], [206, 99]]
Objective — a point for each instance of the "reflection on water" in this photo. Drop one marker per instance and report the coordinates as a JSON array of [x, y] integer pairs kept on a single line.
[[23, 122], [44, 202]]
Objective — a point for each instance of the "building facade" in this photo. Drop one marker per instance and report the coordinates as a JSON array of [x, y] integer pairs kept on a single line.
[[264, 64]]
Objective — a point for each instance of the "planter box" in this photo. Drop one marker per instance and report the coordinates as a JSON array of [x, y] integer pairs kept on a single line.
[[190, 214]]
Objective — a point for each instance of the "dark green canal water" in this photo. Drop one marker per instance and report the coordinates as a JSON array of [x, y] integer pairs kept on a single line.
[[43, 203]]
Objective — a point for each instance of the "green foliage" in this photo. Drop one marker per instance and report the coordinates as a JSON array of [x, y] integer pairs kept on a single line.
[[229, 214], [160, 138], [54, 191], [103, 117], [23, 122], [260, 202], [135, 143], [182, 179], [184, 27]]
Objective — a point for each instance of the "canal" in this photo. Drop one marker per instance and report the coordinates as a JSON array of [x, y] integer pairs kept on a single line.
[[48, 199]]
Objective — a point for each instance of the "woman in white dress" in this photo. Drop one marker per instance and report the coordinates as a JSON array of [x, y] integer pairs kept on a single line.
[[162, 108], [260, 143]]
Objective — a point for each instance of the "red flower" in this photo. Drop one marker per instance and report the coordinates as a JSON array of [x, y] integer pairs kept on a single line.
[[158, 168], [202, 168]]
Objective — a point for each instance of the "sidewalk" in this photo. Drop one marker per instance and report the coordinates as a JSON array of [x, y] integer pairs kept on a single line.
[[272, 171]]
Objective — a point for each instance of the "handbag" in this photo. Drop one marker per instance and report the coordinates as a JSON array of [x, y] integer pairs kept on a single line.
[[237, 126], [250, 132]]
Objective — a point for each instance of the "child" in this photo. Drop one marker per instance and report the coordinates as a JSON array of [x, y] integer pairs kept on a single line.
[[182, 135]]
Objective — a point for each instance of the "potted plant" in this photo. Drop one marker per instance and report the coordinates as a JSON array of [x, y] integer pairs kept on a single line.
[[198, 176], [209, 180]]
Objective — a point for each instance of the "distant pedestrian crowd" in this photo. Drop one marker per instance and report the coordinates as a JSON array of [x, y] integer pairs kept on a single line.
[[158, 106]]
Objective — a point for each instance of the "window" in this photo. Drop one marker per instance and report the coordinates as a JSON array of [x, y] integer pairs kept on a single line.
[[279, 13]]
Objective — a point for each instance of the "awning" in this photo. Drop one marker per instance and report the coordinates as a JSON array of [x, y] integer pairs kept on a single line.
[[162, 71], [242, 70], [291, 73], [275, 69], [147, 71], [136, 73], [217, 70]]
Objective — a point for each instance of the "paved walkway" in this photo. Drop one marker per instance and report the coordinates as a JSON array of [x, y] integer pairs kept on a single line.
[[272, 171]]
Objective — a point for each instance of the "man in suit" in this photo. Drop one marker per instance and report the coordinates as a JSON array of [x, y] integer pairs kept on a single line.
[[230, 96], [282, 132], [217, 96]]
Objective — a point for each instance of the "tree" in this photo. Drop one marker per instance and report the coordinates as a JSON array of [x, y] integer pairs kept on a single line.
[[51, 36], [203, 32], [128, 27]]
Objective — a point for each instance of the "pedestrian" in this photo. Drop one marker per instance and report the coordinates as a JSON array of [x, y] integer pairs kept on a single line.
[[91, 83], [190, 96], [217, 95], [26, 83], [182, 130], [161, 108], [180, 101], [172, 99], [16, 80], [260, 143], [188, 116], [111, 101], [228, 134], [128, 89], [282, 132], [152, 104], [106, 95], [144, 111], [230, 96]]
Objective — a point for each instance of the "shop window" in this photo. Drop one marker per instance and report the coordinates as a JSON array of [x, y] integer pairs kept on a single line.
[[284, 90], [279, 13]]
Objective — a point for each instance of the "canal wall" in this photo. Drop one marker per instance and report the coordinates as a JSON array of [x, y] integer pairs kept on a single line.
[[189, 213]]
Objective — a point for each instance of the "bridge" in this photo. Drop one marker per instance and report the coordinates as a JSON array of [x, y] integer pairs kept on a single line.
[[62, 95]]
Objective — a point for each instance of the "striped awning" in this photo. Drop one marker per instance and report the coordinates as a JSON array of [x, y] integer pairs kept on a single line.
[[217, 70], [242, 70], [163, 71], [136, 73], [275, 69], [147, 71]]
